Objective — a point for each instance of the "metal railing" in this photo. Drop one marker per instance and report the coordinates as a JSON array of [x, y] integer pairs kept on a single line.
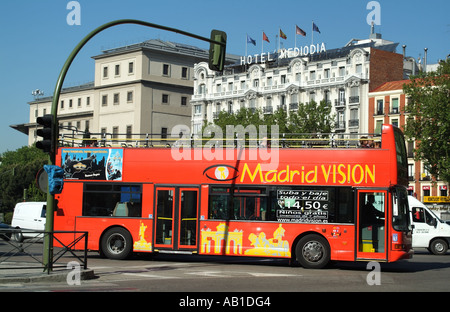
[[167, 140], [15, 249]]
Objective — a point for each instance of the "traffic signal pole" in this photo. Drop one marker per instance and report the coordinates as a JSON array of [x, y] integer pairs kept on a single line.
[[217, 57]]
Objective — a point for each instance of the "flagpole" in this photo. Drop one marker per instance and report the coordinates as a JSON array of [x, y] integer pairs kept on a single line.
[[295, 36], [262, 42], [312, 33], [246, 42]]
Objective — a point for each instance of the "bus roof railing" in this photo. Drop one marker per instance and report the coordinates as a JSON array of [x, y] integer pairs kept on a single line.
[[75, 138]]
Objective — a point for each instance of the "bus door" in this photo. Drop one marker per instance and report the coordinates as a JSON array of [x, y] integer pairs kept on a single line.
[[371, 234], [176, 218]]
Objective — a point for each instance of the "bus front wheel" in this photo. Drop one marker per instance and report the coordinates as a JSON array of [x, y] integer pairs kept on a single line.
[[117, 243], [313, 252]]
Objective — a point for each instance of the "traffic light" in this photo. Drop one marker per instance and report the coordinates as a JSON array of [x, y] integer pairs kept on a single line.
[[217, 51], [46, 133]]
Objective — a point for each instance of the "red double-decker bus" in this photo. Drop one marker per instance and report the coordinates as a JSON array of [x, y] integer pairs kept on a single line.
[[315, 204]]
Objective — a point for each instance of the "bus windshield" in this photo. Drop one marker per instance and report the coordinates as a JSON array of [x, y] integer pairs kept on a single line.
[[400, 216]]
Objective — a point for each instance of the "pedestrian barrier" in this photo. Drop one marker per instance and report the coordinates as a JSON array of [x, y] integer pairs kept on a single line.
[[19, 246]]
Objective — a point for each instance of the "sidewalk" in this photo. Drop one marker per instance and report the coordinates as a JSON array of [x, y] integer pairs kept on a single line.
[[12, 272]]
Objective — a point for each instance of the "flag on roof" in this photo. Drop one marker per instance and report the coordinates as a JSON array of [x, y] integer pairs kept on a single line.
[[299, 31], [282, 35], [315, 28], [265, 38], [250, 40]]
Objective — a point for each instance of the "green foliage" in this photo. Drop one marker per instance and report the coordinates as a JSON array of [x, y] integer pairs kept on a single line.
[[309, 118], [18, 171], [428, 120]]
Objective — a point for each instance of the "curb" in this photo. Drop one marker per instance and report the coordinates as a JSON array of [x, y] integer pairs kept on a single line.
[[60, 276]]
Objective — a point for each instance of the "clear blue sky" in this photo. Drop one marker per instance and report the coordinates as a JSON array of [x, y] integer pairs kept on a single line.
[[36, 38]]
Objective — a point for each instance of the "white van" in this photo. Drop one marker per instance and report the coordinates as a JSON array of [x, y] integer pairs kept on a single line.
[[29, 216], [429, 231]]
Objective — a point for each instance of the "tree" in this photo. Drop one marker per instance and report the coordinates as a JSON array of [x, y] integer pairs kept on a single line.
[[312, 117], [428, 119], [18, 171]]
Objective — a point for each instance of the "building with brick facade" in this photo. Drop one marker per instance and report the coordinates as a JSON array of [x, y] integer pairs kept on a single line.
[[387, 105]]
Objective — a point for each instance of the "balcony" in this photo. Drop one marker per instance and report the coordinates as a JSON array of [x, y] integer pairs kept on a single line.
[[340, 125], [353, 123], [353, 99], [339, 102], [268, 110]]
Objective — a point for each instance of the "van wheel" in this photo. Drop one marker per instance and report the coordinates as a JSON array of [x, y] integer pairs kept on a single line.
[[313, 252], [17, 235], [116, 243], [439, 247]]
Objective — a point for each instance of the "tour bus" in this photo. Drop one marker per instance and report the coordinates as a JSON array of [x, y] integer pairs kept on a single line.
[[310, 200]]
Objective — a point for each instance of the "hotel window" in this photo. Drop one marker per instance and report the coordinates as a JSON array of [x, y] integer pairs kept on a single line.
[[283, 79], [183, 100], [269, 81], [117, 70], [411, 172], [379, 124], [105, 72], [130, 68], [394, 122], [312, 75], [184, 72], [62, 104], [165, 99], [201, 89], [166, 69], [197, 109], [230, 86], [129, 132], [342, 71], [115, 134], [379, 107], [256, 83], [326, 73], [358, 68], [230, 107], [79, 102], [116, 99], [104, 100], [395, 106], [88, 101], [129, 96], [163, 133], [70, 103]]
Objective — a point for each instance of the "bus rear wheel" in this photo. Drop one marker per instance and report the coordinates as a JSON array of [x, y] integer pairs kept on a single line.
[[116, 243], [313, 252]]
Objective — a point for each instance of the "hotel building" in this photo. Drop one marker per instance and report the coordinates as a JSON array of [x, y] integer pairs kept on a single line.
[[342, 77]]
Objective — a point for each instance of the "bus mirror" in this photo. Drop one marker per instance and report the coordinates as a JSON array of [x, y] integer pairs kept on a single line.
[[394, 204]]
